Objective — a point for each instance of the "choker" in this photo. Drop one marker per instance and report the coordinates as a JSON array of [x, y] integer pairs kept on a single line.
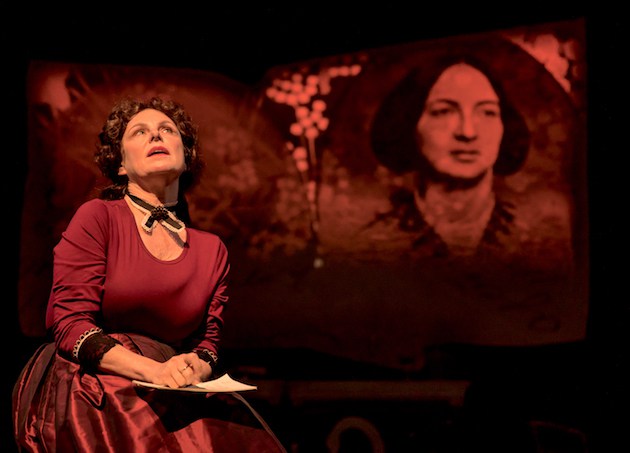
[[161, 214]]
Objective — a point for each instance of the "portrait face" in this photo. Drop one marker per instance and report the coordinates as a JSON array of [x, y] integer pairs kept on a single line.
[[460, 129], [152, 147]]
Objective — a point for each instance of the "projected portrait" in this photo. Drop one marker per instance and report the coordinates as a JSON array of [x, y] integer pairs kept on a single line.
[[467, 149], [446, 189], [454, 129]]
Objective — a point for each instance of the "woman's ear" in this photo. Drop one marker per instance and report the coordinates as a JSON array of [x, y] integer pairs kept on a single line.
[[121, 171]]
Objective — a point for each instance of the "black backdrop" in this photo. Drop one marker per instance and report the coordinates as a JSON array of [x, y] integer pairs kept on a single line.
[[242, 43]]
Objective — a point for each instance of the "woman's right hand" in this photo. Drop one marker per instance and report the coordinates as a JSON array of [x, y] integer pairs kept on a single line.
[[181, 370]]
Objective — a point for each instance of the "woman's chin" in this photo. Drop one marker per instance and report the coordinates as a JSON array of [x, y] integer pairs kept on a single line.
[[462, 173]]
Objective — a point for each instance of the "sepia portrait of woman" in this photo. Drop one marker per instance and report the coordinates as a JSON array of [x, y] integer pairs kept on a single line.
[[452, 125]]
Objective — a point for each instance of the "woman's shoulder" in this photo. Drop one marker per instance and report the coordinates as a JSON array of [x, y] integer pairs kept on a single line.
[[207, 239], [96, 211], [205, 236], [97, 206], [99, 203]]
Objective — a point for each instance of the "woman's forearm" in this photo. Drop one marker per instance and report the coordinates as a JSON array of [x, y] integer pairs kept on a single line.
[[120, 360]]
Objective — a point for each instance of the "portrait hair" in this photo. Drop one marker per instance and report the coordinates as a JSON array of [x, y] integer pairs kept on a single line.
[[393, 132]]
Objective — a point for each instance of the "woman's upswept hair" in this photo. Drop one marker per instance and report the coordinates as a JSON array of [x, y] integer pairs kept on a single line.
[[108, 155]]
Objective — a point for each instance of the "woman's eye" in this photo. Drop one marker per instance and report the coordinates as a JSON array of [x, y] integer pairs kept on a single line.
[[168, 130], [139, 132], [491, 114], [489, 110], [440, 111]]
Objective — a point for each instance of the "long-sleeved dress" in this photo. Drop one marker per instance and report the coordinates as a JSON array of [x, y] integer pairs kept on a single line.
[[106, 282]]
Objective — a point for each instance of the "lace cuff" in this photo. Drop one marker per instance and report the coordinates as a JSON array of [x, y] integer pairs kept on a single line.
[[92, 346], [82, 338], [208, 356]]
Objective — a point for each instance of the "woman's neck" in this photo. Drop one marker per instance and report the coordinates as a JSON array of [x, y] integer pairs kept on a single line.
[[451, 203], [156, 196], [459, 216]]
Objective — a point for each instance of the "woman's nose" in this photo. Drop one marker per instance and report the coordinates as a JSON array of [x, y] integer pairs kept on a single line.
[[466, 129], [155, 136]]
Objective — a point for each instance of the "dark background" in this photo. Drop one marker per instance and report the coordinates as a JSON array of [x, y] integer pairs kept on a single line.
[[582, 384]]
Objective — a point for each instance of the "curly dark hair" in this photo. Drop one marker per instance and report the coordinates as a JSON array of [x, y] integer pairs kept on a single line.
[[108, 155]]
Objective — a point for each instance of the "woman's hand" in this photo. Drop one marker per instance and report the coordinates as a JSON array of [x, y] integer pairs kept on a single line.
[[178, 371], [181, 370]]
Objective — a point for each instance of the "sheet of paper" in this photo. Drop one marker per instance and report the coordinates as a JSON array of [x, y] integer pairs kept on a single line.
[[224, 383]]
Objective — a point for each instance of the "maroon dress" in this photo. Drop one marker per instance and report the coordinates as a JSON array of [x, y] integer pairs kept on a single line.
[[105, 278]]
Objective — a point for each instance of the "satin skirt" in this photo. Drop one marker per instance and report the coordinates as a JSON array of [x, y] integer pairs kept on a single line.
[[58, 407]]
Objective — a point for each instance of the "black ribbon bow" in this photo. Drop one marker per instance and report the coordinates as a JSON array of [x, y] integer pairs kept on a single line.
[[157, 213]]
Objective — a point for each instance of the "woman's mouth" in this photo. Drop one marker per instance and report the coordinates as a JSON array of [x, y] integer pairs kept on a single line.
[[465, 155], [158, 150]]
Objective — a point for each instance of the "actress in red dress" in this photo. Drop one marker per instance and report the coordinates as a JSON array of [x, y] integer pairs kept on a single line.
[[136, 295]]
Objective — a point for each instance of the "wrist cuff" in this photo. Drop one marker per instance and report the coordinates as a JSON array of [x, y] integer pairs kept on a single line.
[[208, 356]]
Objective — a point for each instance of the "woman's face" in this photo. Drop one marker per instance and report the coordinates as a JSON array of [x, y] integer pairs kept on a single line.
[[152, 147], [460, 129]]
